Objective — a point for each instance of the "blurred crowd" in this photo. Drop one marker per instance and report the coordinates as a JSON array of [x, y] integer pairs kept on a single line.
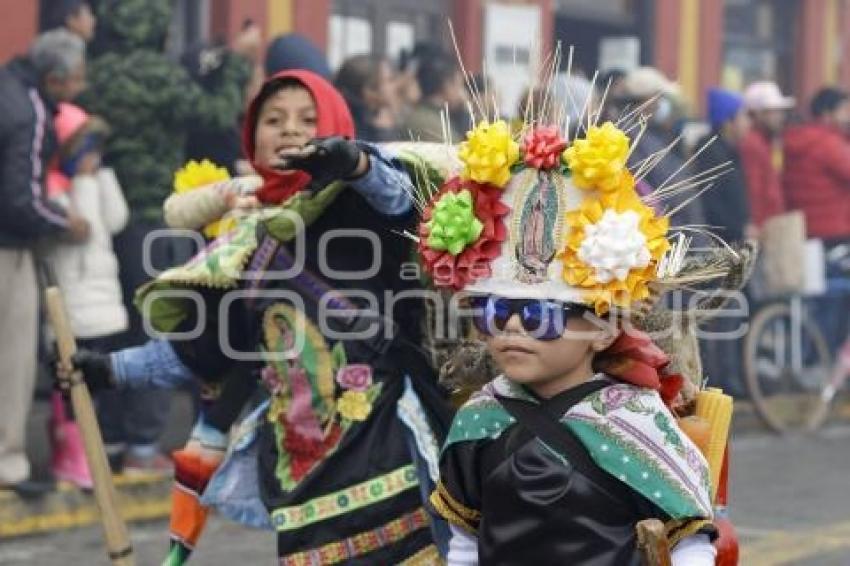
[[96, 118]]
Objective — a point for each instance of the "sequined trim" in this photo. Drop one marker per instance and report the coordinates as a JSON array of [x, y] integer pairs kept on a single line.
[[345, 500], [453, 511], [362, 543]]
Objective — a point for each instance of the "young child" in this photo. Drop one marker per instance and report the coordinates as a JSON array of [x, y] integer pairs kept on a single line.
[[87, 273], [341, 457], [556, 460]]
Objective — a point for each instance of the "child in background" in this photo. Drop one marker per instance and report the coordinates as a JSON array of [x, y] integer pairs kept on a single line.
[[87, 272]]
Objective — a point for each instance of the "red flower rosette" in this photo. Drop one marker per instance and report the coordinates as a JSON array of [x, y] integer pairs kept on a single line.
[[542, 147], [635, 359], [473, 263]]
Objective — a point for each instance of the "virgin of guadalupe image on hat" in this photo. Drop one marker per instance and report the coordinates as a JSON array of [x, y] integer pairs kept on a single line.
[[535, 214]]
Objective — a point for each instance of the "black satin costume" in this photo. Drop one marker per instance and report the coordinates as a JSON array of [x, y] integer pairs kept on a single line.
[[528, 506]]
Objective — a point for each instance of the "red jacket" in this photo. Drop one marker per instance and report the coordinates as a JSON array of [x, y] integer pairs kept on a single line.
[[817, 178], [763, 184]]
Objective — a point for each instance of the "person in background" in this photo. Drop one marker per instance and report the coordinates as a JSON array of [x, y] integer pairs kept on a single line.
[[147, 146], [86, 272], [726, 208], [369, 88], [817, 181], [442, 86], [292, 51], [207, 65], [575, 96], [569, 100], [74, 15], [614, 104], [761, 155], [612, 80], [30, 88], [407, 87], [726, 205], [657, 96]]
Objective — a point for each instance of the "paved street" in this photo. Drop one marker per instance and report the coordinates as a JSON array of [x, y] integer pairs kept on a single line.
[[790, 502], [791, 499]]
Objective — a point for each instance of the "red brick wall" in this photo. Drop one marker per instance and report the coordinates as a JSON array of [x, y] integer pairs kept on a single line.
[[710, 49], [467, 20], [18, 25], [227, 16], [310, 18], [666, 32], [810, 51]]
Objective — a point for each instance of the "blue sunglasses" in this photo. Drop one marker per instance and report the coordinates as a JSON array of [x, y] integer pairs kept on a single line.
[[544, 319]]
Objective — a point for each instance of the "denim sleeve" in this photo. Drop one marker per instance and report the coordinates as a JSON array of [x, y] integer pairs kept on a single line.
[[386, 186], [152, 365]]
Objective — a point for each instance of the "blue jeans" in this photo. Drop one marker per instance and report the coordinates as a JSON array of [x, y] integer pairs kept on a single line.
[[830, 311]]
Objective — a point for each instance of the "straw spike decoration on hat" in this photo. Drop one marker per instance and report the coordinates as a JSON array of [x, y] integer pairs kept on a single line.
[[535, 212]]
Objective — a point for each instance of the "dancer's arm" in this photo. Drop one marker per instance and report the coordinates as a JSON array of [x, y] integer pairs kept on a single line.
[[194, 209], [369, 170], [152, 365], [463, 548], [386, 185], [695, 550]]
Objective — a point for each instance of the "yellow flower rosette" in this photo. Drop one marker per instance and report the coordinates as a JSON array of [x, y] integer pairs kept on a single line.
[[354, 406], [613, 248], [195, 175], [488, 153], [598, 160]]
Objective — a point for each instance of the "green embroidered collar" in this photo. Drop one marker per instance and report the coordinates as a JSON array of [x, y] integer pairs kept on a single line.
[[221, 263]]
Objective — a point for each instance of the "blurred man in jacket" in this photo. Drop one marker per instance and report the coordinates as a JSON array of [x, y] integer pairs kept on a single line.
[[760, 154], [817, 181], [30, 88]]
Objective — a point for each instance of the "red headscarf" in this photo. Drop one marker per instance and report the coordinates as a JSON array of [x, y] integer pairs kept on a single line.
[[332, 119]]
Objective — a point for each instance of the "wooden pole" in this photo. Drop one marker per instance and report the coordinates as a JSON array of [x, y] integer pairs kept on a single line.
[[117, 539]]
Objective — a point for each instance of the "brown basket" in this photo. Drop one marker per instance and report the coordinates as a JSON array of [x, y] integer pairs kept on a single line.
[[783, 254]]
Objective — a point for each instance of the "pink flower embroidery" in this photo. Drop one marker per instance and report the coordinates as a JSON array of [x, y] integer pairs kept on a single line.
[[694, 460], [614, 398], [356, 377]]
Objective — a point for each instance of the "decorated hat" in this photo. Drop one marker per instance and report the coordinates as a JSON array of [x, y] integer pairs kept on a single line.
[[535, 215]]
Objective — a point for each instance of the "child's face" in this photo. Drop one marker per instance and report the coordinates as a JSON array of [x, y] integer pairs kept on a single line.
[[543, 364], [287, 120]]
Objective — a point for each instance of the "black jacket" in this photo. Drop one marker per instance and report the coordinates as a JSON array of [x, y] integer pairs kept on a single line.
[[27, 143], [669, 170], [726, 204]]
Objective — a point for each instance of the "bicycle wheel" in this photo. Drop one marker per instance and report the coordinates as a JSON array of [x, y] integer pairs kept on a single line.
[[785, 397]]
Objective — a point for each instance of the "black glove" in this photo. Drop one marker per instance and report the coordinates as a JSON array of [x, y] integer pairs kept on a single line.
[[96, 369], [331, 159]]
